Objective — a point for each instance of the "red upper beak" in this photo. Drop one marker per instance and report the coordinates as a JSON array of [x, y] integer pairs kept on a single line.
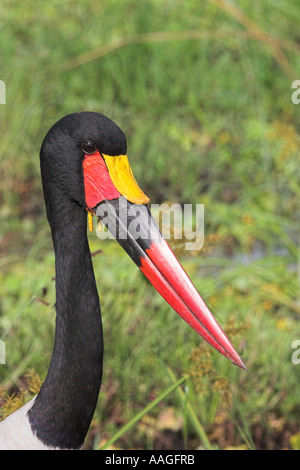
[[156, 260]]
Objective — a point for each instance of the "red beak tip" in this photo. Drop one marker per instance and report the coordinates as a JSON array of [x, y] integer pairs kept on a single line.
[[240, 364]]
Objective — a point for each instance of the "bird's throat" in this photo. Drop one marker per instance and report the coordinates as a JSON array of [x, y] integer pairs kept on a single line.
[[63, 409]]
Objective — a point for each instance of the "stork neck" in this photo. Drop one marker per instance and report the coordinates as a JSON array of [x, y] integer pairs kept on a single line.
[[63, 409]]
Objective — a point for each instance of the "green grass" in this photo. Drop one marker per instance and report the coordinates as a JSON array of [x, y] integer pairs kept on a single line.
[[209, 120]]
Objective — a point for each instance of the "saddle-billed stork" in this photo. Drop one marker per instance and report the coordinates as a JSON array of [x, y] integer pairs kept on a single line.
[[84, 168]]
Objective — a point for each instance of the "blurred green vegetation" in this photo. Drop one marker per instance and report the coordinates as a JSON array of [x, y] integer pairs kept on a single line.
[[203, 92]]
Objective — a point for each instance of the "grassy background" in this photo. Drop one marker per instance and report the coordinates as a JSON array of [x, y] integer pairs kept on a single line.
[[203, 93]]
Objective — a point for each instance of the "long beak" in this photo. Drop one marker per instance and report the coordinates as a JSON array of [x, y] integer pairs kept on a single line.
[[136, 231]]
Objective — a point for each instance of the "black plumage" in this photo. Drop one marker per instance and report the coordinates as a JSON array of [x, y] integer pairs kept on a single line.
[[63, 409]]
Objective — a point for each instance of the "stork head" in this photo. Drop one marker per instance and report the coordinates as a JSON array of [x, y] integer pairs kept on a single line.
[[84, 159]]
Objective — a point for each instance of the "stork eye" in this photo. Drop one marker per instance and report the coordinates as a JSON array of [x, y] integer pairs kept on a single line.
[[88, 147]]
